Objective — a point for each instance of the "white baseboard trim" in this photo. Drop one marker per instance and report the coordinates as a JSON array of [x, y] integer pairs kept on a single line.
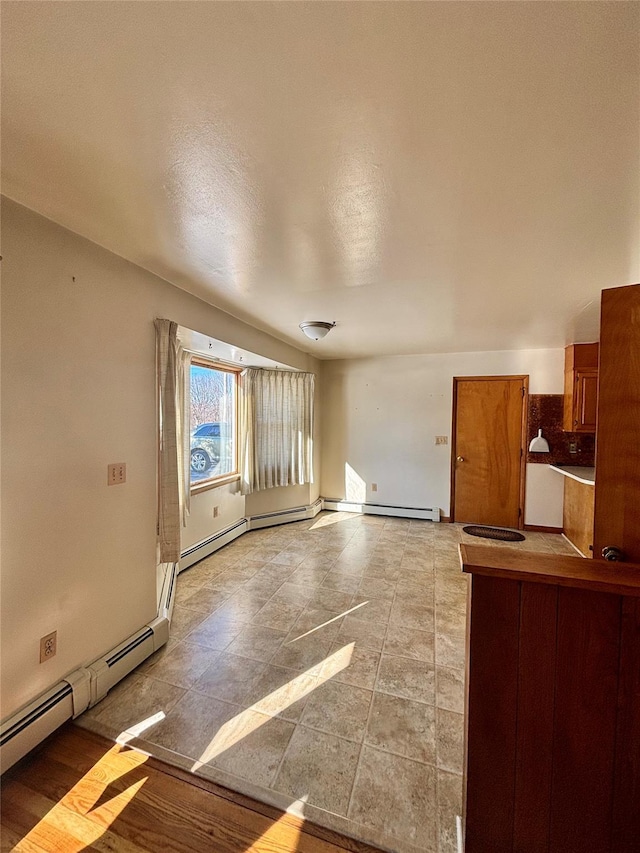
[[85, 686], [208, 546], [284, 516], [424, 513]]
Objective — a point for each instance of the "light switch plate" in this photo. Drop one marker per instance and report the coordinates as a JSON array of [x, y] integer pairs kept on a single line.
[[442, 439]]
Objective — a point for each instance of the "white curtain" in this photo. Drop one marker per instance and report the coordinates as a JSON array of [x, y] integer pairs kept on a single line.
[[174, 489], [276, 429]]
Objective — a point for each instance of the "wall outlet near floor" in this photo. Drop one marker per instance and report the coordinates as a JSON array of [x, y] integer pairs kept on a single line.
[[442, 439], [48, 646], [216, 511], [116, 473], [374, 487]]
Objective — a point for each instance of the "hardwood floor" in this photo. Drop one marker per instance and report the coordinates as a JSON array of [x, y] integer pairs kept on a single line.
[[82, 792]]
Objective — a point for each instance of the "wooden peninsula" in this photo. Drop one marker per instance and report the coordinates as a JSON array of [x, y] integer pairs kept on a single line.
[[553, 703]]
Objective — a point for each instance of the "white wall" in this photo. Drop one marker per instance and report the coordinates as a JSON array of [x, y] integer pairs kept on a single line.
[[381, 416], [78, 383]]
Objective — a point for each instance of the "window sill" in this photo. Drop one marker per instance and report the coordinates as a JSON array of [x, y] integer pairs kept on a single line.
[[213, 484]]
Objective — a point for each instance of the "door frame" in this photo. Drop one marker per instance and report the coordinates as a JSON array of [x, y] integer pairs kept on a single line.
[[524, 378]]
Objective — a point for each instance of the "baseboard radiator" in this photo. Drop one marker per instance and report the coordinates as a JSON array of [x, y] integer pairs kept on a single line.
[[284, 516], [208, 546], [424, 513], [87, 685]]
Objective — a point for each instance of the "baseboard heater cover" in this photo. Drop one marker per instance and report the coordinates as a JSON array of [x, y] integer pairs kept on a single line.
[[37, 720], [85, 686], [285, 516], [213, 543], [424, 513]]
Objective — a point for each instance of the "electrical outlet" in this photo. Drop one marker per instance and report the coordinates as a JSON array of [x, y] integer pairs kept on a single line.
[[442, 439], [374, 487], [48, 646], [116, 473], [216, 510]]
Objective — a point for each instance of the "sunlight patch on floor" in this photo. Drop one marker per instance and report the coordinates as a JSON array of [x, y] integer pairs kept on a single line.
[[332, 518], [76, 814], [135, 731], [274, 703], [328, 622]]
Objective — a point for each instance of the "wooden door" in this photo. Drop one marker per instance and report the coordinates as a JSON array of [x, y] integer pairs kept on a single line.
[[487, 481], [617, 489]]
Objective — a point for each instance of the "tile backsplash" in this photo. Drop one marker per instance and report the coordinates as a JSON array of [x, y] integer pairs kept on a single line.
[[545, 413]]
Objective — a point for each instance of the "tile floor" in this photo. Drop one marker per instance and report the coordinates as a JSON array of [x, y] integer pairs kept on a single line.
[[321, 662]]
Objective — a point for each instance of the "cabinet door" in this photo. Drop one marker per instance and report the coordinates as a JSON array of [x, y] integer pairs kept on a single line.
[[586, 401]]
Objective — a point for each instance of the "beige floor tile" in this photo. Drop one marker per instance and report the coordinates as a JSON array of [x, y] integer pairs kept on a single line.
[[256, 750], [319, 561], [371, 587], [308, 576], [261, 587], [288, 558], [411, 679], [153, 659], [450, 619], [338, 709], [183, 665], [229, 678], [402, 726], [449, 740], [281, 616], [331, 599], [257, 642], [184, 591], [315, 621], [366, 635], [215, 632], [280, 692], [382, 571], [360, 669], [341, 582], [450, 689], [449, 787], [373, 610], [241, 606], [226, 583], [319, 768], [412, 615], [134, 700], [302, 654], [398, 795], [206, 599], [409, 643], [451, 650], [184, 620], [190, 728], [416, 588]]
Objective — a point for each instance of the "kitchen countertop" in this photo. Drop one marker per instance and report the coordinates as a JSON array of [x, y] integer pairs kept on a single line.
[[577, 472]]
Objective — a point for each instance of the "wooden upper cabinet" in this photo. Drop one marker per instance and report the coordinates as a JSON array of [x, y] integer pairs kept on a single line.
[[580, 387]]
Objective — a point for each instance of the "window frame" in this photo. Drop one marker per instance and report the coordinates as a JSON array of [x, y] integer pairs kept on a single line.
[[233, 476]]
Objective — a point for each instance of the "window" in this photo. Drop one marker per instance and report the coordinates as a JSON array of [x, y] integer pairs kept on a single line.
[[213, 422]]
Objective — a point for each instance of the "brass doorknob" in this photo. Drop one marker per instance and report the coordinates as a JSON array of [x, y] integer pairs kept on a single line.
[[459, 458]]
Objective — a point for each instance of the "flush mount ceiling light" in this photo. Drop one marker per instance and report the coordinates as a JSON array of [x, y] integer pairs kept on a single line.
[[316, 329]]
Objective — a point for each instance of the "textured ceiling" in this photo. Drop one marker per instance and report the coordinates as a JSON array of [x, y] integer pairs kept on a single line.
[[432, 176]]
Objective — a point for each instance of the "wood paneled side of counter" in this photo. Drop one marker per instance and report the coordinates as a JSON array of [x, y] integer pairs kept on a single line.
[[579, 499], [553, 704]]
